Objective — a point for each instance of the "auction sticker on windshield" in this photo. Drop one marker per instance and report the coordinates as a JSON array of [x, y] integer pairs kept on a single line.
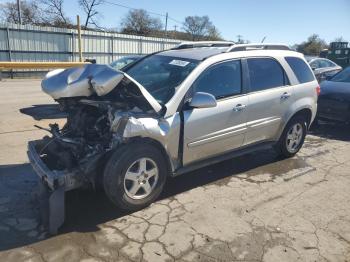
[[179, 63]]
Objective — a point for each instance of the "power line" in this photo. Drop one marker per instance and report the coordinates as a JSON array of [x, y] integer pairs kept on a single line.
[[150, 12], [174, 20]]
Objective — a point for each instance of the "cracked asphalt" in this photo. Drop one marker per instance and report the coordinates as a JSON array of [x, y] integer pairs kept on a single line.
[[253, 208]]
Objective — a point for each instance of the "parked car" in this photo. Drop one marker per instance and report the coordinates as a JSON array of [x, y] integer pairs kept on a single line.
[[124, 61], [168, 114], [334, 99], [322, 67]]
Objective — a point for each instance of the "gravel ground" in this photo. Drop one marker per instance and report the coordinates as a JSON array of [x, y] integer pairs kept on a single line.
[[253, 208]]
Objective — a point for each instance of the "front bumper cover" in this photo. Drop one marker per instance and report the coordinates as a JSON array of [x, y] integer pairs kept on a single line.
[[52, 178], [53, 186]]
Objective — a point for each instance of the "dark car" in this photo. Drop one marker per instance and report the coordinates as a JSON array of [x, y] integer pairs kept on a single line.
[[334, 99], [323, 68], [124, 61]]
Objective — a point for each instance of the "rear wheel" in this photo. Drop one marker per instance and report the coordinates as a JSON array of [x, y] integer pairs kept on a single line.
[[135, 176], [293, 137]]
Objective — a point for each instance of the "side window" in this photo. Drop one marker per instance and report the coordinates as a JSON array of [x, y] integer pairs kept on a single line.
[[329, 63], [221, 80], [324, 63], [315, 64], [265, 73], [300, 69]]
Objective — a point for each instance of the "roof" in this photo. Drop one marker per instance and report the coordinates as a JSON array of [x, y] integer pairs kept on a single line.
[[185, 45], [200, 53], [258, 46]]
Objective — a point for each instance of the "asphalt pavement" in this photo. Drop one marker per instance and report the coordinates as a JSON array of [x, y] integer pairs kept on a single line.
[[257, 207]]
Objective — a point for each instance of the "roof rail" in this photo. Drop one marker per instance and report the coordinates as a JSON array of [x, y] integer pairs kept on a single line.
[[260, 46], [186, 45]]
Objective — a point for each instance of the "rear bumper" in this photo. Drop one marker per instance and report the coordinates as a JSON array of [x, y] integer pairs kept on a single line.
[[340, 117], [53, 179], [333, 110]]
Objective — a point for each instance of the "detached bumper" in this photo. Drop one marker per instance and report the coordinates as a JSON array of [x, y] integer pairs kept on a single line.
[[52, 178], [53, 186]]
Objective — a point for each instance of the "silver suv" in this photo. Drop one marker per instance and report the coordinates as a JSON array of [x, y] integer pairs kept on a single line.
[[167, 114]]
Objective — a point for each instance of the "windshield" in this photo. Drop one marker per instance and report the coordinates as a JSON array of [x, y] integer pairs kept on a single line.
[[342, 76], [160, 75]]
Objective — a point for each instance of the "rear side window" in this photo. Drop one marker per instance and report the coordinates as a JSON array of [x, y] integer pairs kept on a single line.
[[221, 80], [265, 73], [328, 63], [300, 69], [315, 64]]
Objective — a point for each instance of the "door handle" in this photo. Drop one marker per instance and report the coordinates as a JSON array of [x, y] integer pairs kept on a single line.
[[239, 107], [285, 95]]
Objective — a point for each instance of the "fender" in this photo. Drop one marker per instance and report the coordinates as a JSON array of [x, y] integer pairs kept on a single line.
[[295, 108]]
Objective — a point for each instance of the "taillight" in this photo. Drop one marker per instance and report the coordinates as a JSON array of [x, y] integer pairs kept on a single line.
[[318, 90]]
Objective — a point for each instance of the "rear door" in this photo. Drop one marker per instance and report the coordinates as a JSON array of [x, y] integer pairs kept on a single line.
[[270, 96], [213, 131]]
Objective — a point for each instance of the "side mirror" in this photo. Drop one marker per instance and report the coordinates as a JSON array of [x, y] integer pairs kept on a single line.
[[202, 100], [313, 68]]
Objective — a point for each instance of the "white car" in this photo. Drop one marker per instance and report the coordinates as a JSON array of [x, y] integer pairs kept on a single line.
[[170, 113], [323, 68]]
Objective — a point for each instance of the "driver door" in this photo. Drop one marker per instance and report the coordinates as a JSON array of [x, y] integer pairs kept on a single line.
[[212, 131]]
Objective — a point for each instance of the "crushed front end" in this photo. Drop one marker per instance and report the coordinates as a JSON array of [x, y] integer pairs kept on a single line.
[[100, 102], [69, 158]]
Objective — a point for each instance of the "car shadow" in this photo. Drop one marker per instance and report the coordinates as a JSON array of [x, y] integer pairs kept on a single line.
[[331, 130], [44, 111], [18, 185], [87, 209]]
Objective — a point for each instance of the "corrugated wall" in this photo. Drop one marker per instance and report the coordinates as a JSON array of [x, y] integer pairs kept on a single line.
[[34, 43]]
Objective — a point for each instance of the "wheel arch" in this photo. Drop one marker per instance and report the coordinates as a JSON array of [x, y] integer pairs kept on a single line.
[[156, 144], [307, 112]]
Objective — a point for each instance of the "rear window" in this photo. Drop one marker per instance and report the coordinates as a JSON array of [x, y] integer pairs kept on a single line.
[[300, 69], [265, 73]]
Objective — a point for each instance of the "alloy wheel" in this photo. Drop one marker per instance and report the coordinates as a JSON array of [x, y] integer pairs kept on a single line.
[[294, 137], [141, 178]]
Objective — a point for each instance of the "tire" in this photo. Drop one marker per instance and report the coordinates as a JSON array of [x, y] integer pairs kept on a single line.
[[284, 147], [132, 159]]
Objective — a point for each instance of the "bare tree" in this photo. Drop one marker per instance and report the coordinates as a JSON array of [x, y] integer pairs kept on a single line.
[[30, 12], [138, 21], [197, 26], [339, 39], [55, 14], [213, 33], [90, 9]]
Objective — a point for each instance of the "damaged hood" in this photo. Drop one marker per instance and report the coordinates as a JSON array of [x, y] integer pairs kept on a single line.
[[88, 80]]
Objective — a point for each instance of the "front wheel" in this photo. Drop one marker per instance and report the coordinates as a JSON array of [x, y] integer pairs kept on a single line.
[[293, 137], [135, 176]]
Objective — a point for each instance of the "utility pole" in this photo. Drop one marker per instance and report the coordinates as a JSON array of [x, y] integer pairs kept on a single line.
[[19, 11], [166, 25], [79, 40], [175, 26], [239, 39]]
